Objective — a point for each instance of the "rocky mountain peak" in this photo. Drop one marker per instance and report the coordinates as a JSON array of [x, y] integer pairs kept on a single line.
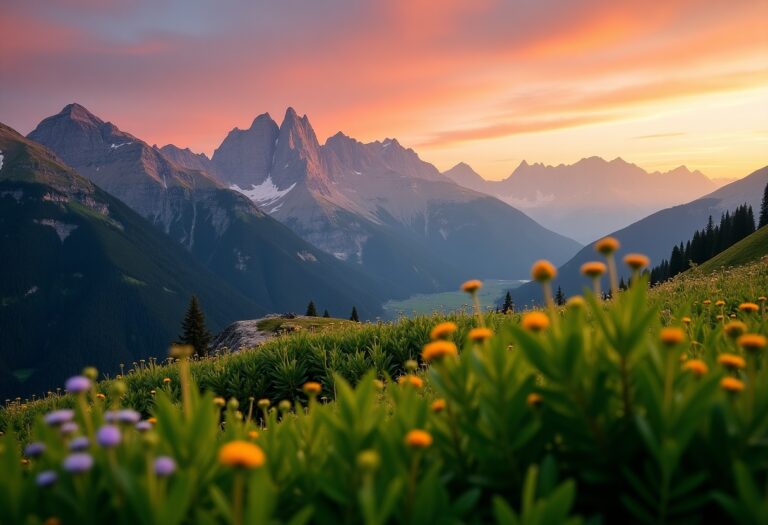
[[297, 154], [261, 120], [79, 113], [244, 158]]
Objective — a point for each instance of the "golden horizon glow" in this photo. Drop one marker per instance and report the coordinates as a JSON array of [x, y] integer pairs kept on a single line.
[[490, 83]]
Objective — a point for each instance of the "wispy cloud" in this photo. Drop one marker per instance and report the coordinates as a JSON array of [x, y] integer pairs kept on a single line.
[[660, 135], [467, 73]]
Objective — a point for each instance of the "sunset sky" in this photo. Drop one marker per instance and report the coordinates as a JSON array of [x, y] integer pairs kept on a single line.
[[489, 82]]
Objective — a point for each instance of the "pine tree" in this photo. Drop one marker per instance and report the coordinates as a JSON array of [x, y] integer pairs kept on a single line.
[[311, 309], [326, 314], [560, 297], [764, 209], [193, 329], [354, 317], [508, 307]]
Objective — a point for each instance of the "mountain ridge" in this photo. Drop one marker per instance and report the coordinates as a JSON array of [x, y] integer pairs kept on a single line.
[[590, 197], [656, 234], [222, 228], [345, 194], [86, 280]]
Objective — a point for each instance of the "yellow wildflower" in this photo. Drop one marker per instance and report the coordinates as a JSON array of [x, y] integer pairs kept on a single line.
[[480, 335], [241, 454], [543, 271], [418, 439], [535, 321], [443, 330], [607, 245], [437, 349]]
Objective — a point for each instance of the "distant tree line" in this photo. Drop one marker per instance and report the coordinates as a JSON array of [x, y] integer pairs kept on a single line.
[[312, 312], [708, 242]]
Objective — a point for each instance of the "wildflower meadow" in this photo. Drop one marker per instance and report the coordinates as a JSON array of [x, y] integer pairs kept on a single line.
[[649, 407]]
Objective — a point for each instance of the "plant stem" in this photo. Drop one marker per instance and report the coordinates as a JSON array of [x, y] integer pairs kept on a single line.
[[185, 394], [614, 275], [237, 499], [86, 415], [625, 392]]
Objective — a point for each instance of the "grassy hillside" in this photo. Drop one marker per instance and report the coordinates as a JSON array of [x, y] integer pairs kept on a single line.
[[277, 369], [521, 424], [745, 251], [656, 234], [85, 280]]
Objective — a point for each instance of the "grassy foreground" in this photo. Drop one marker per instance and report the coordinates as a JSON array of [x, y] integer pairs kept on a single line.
[[651, 408]]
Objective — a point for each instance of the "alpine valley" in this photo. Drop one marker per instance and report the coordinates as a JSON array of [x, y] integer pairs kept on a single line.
[[376, 212], [106, 230]]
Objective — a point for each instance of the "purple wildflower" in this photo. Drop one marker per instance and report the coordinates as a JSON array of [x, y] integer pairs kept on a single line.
[[79, 444], [122, 416], [164, 466], [78, 462], [57, 417], [108, 436], [143, 426], [46, 478], [77, 384], [34, 450], [70, 427]]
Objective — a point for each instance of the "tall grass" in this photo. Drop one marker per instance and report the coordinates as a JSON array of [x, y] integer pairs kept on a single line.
[[646, 409]]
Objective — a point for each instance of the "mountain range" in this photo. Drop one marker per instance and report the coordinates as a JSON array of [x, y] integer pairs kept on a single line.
[[590, 198], [656, 234], [109, 236], [221, 228], [380, 206], [86, 280]]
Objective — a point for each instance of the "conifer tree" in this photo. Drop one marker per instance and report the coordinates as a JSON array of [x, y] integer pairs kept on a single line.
[[508, 306], [560, 297], [354, 317], [193, 329], [326, 314], [764, 209], [311, 309]]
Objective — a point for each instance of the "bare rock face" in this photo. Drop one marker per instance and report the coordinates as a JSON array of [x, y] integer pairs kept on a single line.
[[239, 335], [116, 161], [247, 334], [245, 157], [222, 228], [381, 206], [187, 159]]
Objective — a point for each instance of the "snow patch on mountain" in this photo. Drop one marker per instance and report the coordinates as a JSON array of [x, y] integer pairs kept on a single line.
[[1, 159], [265, 193], [538, 201], [115, 146], [62, 228], [306, 256]]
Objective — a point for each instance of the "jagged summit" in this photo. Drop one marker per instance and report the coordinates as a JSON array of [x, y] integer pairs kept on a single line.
[[592, 196], [264, 117], [355, 199], [79, 112]]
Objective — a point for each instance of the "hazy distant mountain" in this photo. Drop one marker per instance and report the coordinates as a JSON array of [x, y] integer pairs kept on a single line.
[[86, 280], [226, 232], [591, 197], [656, 234], [463, 175], [380, 205]]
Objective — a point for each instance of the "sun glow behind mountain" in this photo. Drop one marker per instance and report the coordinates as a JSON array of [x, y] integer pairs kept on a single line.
[[486, 82]]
